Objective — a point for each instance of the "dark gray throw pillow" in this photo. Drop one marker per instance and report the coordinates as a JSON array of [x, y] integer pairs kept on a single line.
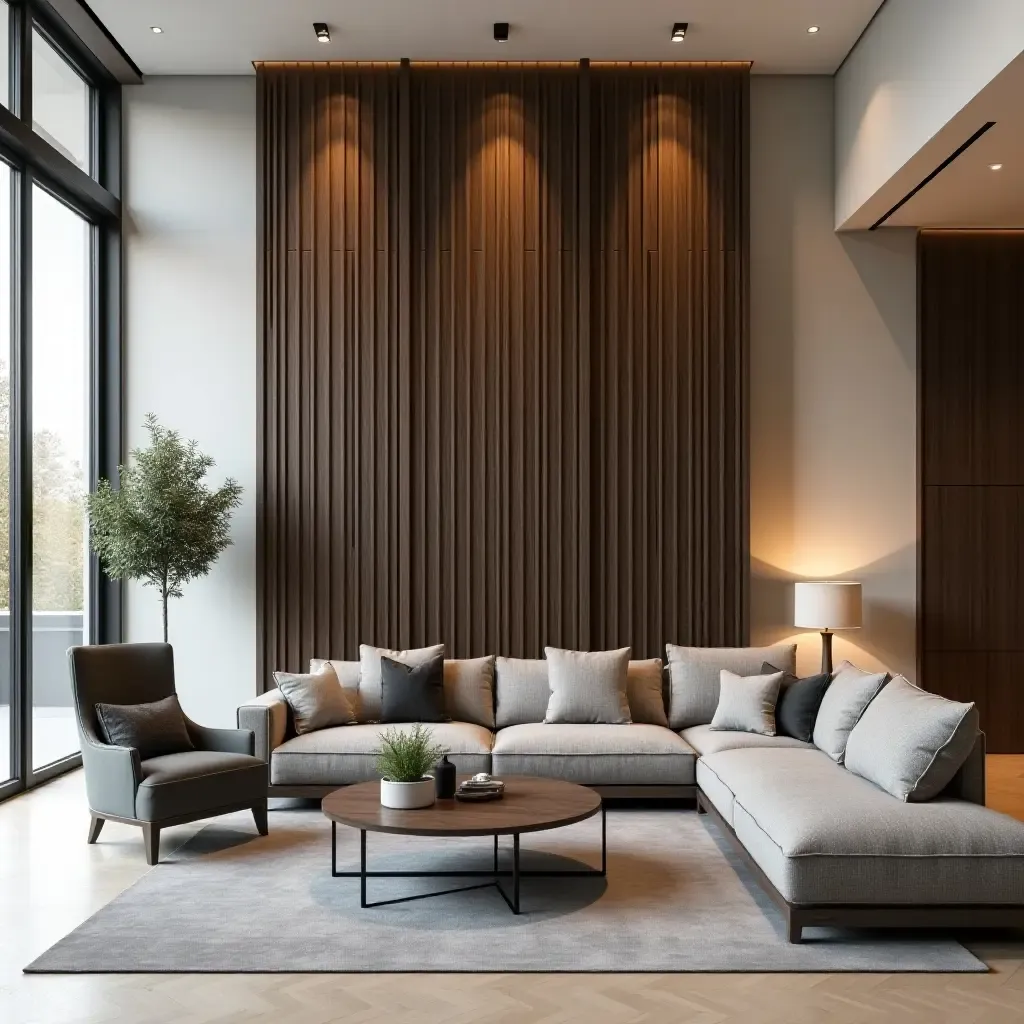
[[413, 693], [799, 700], [153, 729]]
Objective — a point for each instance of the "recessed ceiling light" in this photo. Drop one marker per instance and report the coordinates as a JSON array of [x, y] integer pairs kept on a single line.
[[679, 31], [156, 30], [995, 167], [501, 31], [323, 33], [813, 29]]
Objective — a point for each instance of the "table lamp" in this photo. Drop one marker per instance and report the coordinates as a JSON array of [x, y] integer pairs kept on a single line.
[[827, 606]]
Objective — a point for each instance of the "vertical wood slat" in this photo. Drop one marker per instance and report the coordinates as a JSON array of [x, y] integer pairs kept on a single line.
[[971, 377], [504, 346]]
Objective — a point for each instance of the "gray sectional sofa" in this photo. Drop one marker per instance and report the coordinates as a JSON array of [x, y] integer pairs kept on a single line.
[[828, 847]]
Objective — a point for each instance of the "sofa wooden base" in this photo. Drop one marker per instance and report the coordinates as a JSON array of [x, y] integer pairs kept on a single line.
[[798, 916], [151, 829]]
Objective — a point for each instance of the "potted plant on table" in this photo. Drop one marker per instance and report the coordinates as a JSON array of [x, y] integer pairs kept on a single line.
[[403, 759]]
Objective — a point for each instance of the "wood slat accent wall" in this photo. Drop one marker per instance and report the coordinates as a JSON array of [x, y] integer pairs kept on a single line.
[[972, 475], [504, 358]]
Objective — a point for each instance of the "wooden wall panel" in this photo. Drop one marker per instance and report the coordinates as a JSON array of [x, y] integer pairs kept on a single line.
[[972, 474], [504, 357], [668, 343]]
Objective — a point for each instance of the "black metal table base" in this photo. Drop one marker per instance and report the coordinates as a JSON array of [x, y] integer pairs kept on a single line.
[[495, 874]]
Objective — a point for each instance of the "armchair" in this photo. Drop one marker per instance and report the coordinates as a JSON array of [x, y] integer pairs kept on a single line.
[[221, 775]]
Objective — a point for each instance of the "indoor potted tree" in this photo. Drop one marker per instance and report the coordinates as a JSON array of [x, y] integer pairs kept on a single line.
[[403, 759], [163, 526]]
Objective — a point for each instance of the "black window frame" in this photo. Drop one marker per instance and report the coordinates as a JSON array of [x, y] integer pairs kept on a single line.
[[95, 196]]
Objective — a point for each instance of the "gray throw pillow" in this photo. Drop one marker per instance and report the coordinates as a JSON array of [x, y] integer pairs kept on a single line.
[[588, 687], [846, 699], [747, 703], [911, 743], [695, 675], [153, 729], [645, 692], [317, 699], [521, 691], [370, 687]]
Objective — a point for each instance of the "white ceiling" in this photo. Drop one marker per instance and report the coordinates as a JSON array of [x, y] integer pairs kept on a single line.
[[223, 37], [966, 194]]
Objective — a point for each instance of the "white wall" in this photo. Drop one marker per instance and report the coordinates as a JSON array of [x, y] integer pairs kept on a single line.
[[833, 392], [918, 64], [191, 350]]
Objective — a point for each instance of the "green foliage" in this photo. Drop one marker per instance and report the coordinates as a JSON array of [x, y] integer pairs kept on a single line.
[[163, 526], [406, 756], [58, 527]]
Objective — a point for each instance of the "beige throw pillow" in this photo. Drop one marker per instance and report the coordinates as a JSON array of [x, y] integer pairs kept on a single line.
[[588, 687], [645, 691], [316, 699], [747, 703]]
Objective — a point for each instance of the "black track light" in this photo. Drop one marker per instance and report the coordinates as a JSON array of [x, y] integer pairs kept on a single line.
[[679, 31], [323, 33], [501, 31]]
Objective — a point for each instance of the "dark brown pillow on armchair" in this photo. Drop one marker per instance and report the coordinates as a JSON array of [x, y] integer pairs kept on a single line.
[[153, 729]]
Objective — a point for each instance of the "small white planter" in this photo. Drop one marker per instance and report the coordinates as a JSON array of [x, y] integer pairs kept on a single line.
[[407, 796]]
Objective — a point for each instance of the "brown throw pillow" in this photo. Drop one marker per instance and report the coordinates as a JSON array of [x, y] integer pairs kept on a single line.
[[153, 729], [317, 700]]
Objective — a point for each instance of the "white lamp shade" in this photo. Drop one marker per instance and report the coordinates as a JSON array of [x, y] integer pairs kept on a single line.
[[828, 605]]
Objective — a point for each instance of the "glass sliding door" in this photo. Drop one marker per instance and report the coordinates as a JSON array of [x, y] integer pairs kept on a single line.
[[61, 314], [8, 770]]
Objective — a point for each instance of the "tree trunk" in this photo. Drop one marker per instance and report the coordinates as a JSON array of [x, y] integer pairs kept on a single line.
[[163, 595]]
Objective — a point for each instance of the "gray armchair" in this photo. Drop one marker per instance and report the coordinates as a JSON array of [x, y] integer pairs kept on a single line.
[[221, 775]]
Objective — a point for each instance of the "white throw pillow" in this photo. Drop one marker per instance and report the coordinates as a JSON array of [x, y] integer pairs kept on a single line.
[[747, 703], [588, 687], [846, 699], [911, 743]]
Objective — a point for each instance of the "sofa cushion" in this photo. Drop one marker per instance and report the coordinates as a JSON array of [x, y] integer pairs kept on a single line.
[[412, 693], [850, 692], [198, 780], [706, 741], [798, 704], [587, 687], [823, 835], [911, 743], [337, 757], [317, 700], [348, 675], [747, 703], [645, 691], [469, 690], [521, 691], [720, 795], [694, 676], [595, 755], [370, 686]]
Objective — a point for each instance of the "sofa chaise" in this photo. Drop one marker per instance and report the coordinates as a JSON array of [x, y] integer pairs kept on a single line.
[[829, 847]]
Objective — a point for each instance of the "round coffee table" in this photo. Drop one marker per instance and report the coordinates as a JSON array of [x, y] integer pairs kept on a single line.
[[529, 805]]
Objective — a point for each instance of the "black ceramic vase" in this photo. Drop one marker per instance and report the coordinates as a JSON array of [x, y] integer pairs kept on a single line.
[[444, 779]]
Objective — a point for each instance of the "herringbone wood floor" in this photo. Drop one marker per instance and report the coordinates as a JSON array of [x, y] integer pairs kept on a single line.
[[50, 881]]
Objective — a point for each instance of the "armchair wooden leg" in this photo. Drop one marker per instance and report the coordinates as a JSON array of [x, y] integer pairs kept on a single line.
[[151, 837], [259, 815], [95, 828]]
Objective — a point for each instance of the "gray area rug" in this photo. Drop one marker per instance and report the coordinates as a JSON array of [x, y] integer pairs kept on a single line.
[[675, 900]]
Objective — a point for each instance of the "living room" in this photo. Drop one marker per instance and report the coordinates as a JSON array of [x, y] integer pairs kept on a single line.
[[612, 404]]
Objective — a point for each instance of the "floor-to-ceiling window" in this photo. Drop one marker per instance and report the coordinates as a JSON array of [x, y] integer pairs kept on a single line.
[[59, 375]]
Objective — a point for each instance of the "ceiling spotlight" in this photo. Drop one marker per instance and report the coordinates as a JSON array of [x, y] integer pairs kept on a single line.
[[995, 167], [813, 30], [679, 31], [323, 33], [501, 31], [156, 30]]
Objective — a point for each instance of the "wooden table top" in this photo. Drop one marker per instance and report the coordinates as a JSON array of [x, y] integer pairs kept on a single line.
[[529, 805]]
